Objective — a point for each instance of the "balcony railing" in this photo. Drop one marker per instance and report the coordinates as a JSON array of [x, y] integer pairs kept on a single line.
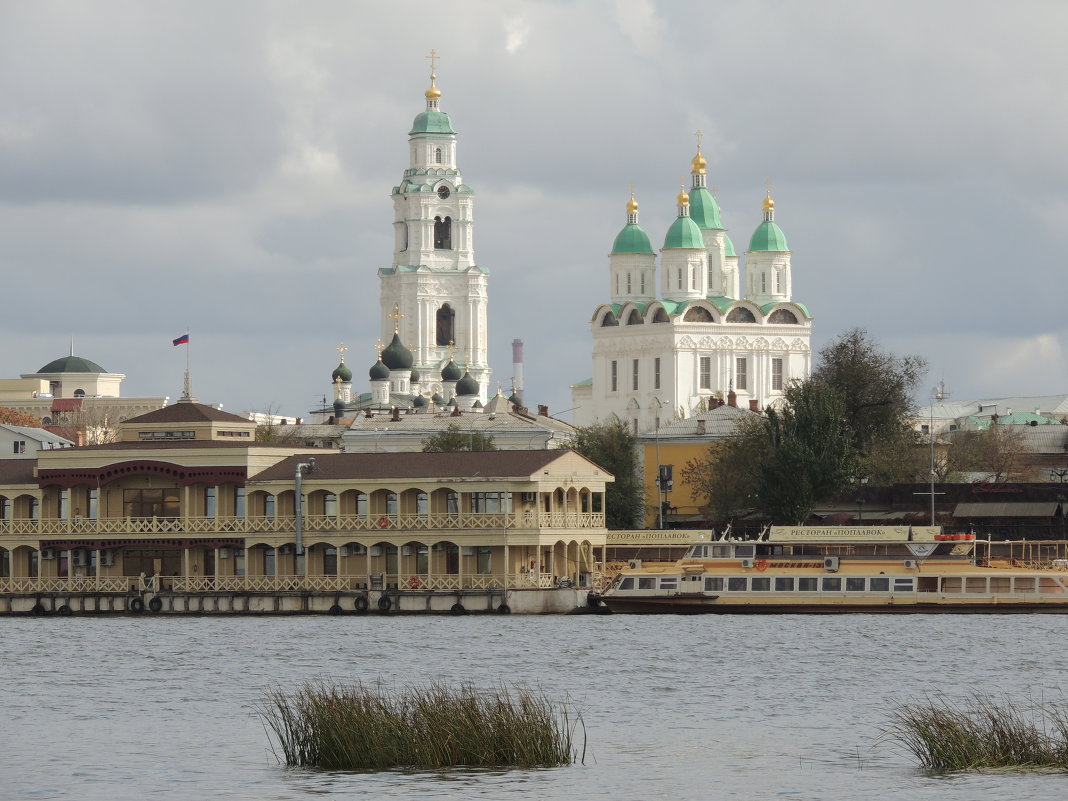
[[313, 524]]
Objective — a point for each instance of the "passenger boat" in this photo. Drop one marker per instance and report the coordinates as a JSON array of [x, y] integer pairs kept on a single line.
[[830, 570]]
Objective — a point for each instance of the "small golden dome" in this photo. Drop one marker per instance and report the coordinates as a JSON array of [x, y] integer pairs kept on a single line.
[[683, 199], [433, 93], [632, 205], [699, 164], [769, 204]]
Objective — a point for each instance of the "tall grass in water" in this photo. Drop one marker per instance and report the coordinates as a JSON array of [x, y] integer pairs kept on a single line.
[[355, 727], [980, 733]]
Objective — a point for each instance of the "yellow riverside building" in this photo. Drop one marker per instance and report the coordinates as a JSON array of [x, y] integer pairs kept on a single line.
[[188, 513]]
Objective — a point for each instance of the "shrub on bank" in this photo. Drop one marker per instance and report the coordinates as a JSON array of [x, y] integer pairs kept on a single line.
[[354, 727], [982, 734]]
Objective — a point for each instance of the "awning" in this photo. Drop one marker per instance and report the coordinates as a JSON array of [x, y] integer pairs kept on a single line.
[[1007, 509]]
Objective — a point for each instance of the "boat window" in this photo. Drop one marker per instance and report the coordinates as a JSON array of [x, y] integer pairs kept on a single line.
[[855, 584], [698, 552], [743, 551], [1000, 584], [879, 584], [928, 584], [1024, 584], [975, 584], [669, 583], [736, 584], [832, 584], [721, 551], [1049, 584], [646, 583], [713, 583], [951, 584], [806, 584], [761, 584], [692, 578], [627, 583], [784, 584], [903, 585]]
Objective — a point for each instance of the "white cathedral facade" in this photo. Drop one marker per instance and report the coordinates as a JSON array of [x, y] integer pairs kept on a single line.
[[678, 338], [433, 298]]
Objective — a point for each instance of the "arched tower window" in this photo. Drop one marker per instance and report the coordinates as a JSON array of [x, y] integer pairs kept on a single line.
[[443, 233], [740, 314], [783, 316], [661, 316], [79, 393], [437, 155], [446, 323], [698, 314], [608, 320], [634, 318]]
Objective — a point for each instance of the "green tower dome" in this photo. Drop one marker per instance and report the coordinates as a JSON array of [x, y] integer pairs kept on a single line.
[[396, 356], [684, 233], [728, 247], [342, 372], [467, 385], [379, 371], [704, 210], [768, 237], [632, 239], [433, 122]]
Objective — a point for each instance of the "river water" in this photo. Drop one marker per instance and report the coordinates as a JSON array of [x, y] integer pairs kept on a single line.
[[782, 707]]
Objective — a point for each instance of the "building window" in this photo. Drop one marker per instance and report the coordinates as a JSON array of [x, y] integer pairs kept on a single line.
[[617, 283], [446, 325], [422, 559], [391, 504], [741, 377], [210, 506], [422, 504], [776, 374], [19, 446], [5, 508], [778, 281], [656, 373], [330, 504], [634, 374], [268, 506], [628, 283], [361, 504], [452, 504], [79, 393], [239, 501], [93, 498], [443, 233], [642, 274], [678, 278], [437, 155], [693, 278], [150, 503], [763, 282], [705, 380], [614, 380], [330, 561], [391, 558], [64, 504], [485, 560], [268, 562]]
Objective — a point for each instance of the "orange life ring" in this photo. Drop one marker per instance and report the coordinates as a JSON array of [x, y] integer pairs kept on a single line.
[[415, 583], [383, 521], [761, 565]]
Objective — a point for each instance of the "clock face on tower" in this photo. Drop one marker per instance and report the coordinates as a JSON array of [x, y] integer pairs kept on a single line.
[[443, 192]]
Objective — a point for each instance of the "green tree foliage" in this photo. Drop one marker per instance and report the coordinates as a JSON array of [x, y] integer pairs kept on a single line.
[[811, 452], [451, 439], [724, 480], [876, 388], [612, 445]]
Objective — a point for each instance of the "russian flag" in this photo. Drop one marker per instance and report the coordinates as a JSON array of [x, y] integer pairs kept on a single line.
[[182, 340]]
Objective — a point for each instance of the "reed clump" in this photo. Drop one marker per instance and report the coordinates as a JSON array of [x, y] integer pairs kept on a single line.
[[352, 726], [980, 733]]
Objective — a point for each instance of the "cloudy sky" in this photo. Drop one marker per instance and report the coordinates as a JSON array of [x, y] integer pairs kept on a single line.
[[226, 167]]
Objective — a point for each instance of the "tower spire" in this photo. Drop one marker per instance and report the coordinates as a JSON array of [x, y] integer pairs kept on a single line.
[[699, 165], [433, 94], [769, 204]]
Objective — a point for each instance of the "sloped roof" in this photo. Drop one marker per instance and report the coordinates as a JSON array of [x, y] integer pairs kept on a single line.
[[719, 422], [39, 434], [1006, 509], [188, 412]]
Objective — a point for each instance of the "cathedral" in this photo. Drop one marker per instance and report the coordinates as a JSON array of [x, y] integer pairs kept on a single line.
[[433, 298], [684, 337]]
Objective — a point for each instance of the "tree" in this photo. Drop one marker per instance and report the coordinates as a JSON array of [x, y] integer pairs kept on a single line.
[[997, 452], [811, 452], [724, 480], [612, 446], [451, 439], [876, 387], [13, 417]]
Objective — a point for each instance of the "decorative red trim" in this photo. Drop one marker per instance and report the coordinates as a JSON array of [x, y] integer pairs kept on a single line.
[[102, 476]]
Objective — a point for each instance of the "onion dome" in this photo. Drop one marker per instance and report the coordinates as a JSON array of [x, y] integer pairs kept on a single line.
[[339, 409], [396, 356], [515, 400], [72, 364], [768, 236], [450, 372], [342, 372], [728, 248], [467, 385], [632, 239], [452, 402], [419, 402], [379, 371], [699, 164], [438, 400]]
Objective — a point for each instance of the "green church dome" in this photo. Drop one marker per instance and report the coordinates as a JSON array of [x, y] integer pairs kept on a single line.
[[704, 210], [342, 372], [379, 371], [728, 248], [684, 233], [450, 372], [396, 356], [632, 239], [467, 385], [72, 364], [768, 237], [434, 122]]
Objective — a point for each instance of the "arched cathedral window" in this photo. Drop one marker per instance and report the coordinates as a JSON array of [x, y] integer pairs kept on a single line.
[[741, 315], [443, 233], [437, 155], [698, 314], [446, 323], [634, 318], [783, 316]]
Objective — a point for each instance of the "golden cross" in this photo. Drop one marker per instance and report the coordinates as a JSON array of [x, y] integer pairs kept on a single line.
[[767, 185], [396, 318], [378, 347], [452, 349], [341, 350], [433, 58], [698, 135]]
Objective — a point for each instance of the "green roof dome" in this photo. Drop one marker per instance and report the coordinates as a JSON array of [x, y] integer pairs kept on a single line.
[[467, 385], [419, 402], [450, 372], [632, 239], [435, 122], [342, 372], [684, 233], [72, 364], [728, 248], [438, 400], [768, 236], [704, 210], [379, 371], [396, 356]]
